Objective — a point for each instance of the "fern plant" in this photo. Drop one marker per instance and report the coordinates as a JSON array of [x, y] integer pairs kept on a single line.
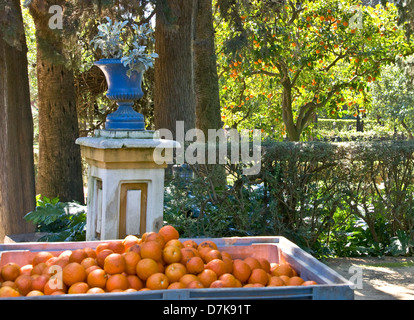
[[61, 221]]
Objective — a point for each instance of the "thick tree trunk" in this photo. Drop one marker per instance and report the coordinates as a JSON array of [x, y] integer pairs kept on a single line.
[[174, 96], [17, 180], [59, 168], [205, 68]]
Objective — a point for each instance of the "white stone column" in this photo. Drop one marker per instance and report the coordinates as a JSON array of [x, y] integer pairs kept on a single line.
[[125, 183]]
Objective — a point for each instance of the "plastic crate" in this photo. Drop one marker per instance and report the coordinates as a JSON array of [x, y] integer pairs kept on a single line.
[[331, 285]]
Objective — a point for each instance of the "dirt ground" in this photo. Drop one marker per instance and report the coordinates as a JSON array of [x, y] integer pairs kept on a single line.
[[386, 278]]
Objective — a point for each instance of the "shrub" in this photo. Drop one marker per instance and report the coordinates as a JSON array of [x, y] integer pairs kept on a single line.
[[329, 198], [62, 221]]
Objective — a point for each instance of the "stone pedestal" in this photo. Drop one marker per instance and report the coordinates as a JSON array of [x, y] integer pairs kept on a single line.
[[125, 183]]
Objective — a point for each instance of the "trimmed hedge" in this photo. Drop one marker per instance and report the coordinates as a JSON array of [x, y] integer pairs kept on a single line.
[[333, 199]]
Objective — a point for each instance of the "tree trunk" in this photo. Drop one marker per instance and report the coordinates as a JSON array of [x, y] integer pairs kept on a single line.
[[17, 180], [59, 168], [174, 96], [287, 114], [205, 68]]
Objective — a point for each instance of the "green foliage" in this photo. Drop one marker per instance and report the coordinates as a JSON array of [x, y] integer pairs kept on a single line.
[[115, 40], [300, 57], [62, 221], [393, 95], [332, 199]]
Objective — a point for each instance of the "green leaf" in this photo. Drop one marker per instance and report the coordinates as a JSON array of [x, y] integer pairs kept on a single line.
[[46, 213]]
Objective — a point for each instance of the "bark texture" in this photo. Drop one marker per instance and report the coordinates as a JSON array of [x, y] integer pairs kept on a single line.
[[17, 180], [205, 68], [59, 169], [174, 95]]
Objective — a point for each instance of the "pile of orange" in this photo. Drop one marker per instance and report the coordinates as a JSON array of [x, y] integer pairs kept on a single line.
[[156, 261]]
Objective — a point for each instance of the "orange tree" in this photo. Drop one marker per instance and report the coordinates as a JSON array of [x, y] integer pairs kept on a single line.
[[283, 61]]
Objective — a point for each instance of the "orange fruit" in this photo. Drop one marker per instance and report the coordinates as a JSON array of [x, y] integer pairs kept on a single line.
[[41, 256], [195, 265], [283, 269], [190, 244], [196, 284], [130, 241], [161, 267], [131, 259], [171, 254], [100, 257], [188, 253], [253, 263], [65, 254], [88, 262], [285, 279], [253, 285], [116, 246], [241, 271], [10, 271], [130, 290], [78, 255], [228, 263], [217, 284], [175, 271], [174, 242], [296, 281], [24, 284], [157, 238], [97, 278], [8, 292], [207, 277], [35, 293], [275, 281], [309, 283], [157, 281], [51, 261], [176, 285], [91, 268], [146, 267], [117, 282], [217, 265], [229, 280], [169, 233], [187, 278], [135, 248], [145, 235], [61, 262], [151, 250], [211, 255], [203, 251], [101, 246], [95, 291], [9, 283], [135, 282], [56, 293], [258, 276], [265, 264], [207, 243], [39, 282], [53, 286], [78, 288], [26, 269], [90, 252], [114, 263], [73, 273]]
